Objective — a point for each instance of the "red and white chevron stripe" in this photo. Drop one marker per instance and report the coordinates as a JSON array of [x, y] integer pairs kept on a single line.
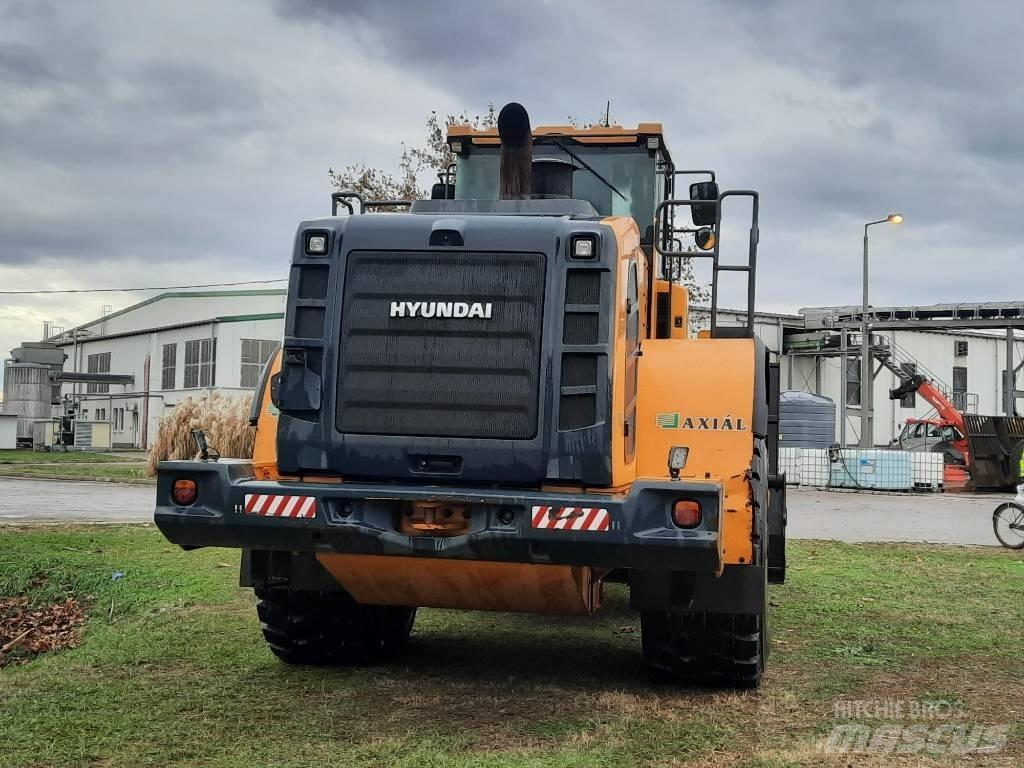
[[271, 505], [571, 518]]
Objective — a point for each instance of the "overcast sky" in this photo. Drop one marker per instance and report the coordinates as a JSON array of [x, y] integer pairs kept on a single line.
[[147, 143]]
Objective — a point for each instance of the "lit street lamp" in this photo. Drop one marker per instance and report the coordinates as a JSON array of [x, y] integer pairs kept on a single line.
[[867, 428]]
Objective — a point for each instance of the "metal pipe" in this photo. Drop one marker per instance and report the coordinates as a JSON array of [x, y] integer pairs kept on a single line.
[[843, 362], [124, 395], [145, 404], [516, 162], [867, 379], [866, 382], [1009, 385]]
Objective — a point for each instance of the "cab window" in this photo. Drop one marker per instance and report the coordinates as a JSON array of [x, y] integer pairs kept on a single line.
[[629, 170]]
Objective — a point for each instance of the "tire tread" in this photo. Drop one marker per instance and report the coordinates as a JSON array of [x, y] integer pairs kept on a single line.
[[330, 628]]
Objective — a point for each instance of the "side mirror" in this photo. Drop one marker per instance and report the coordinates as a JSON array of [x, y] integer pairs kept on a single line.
[[704, 238], [703, 215]]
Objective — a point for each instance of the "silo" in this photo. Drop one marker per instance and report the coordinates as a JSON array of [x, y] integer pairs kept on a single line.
[[28, 392], [28, 389], [806, 420]]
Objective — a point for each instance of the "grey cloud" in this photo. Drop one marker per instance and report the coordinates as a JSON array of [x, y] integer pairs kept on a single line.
[[24, 64], [526, 50], [95, 114], [192, 134], [957, 62], [431, 34], [180, 88]]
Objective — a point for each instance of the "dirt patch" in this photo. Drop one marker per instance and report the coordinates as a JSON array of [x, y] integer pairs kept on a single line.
[[27, 630]]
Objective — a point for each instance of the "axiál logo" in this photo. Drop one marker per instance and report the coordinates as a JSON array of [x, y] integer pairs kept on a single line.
[[724, 423]]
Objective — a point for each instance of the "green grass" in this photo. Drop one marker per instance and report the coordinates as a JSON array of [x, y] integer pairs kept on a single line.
[[9, 456], [79, 471], [173, 671]]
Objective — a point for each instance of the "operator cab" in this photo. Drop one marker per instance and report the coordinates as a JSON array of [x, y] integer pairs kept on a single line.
[[619, 171]]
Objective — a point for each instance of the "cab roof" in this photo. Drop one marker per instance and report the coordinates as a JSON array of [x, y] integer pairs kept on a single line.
[[606, 135]]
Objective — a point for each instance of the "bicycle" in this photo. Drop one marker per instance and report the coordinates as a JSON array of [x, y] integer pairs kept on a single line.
[[1008, 524]]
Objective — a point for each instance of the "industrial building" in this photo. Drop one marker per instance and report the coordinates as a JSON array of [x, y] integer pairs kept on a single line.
[[962, 347], [974, 353], [164, 349], [183, 344]]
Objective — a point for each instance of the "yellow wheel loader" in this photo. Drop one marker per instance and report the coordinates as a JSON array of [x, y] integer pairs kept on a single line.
[[491, 400]]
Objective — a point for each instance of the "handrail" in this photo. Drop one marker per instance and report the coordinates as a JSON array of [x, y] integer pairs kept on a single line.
[[343, 197], [662, 237]]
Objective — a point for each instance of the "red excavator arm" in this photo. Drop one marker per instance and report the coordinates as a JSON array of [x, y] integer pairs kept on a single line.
[[934, 396], [937, 400]]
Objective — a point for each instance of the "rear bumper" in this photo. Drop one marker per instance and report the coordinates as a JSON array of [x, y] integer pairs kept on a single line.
[[361, 518]]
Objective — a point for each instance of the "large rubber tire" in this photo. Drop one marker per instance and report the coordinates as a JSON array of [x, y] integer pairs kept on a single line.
[[705, 649], [330, 628]]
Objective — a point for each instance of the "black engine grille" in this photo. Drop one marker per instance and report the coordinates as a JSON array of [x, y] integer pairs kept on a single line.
[[441, 376]]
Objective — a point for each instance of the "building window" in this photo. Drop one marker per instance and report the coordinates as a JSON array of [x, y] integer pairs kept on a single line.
[[852, 381], [99, 363], [255, 353], [909, 400], [119, 419], [200, 366], [960, 386], [960, 379], [168, 370], [101, 414], [960, 348]]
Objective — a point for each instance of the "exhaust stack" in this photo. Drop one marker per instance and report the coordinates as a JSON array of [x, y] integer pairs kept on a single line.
[[516, 152]]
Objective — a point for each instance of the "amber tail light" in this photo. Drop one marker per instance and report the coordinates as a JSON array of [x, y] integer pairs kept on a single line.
[[184, 492], [686, 514]]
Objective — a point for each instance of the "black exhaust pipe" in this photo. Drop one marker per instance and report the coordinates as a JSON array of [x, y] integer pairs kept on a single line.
[[516, 152]]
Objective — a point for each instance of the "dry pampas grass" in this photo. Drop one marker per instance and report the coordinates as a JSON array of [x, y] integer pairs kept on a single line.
[[223, 418]]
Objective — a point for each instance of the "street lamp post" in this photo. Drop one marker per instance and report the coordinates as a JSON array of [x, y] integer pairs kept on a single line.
[[867, 427]]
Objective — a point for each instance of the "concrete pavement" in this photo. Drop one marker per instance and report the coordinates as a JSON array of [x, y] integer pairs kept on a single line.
[[941, 518], [74, 501], [813, 514]]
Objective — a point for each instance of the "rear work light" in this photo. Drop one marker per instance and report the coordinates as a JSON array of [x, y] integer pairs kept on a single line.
[[686, 514], [184, 492], [316, 244], [584, 247]]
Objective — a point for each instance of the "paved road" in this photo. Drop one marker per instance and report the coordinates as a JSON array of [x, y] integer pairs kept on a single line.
[[74, 501], [847, 516], [856, 516]]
